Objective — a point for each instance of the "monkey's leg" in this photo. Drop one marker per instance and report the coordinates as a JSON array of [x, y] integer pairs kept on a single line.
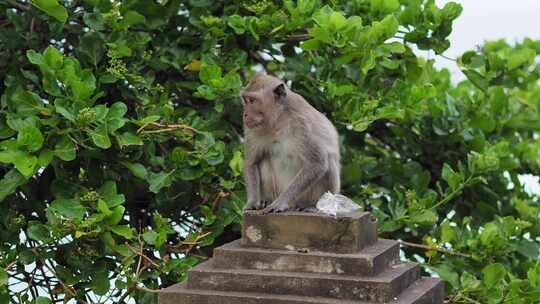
[[308, 175], [252, 186]]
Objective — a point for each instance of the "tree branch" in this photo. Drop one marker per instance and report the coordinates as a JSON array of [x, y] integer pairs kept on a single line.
[[18, 5], [426, 247], [167, 127], [298, 37]]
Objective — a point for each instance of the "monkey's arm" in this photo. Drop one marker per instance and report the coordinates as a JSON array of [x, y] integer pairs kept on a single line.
[[315, 166], [252, 176]]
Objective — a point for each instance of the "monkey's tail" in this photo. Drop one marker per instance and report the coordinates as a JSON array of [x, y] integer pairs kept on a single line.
[[333, 175]]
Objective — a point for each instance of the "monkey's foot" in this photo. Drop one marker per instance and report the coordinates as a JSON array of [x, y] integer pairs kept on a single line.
[[277, 207], [309, 209], [256, 205]]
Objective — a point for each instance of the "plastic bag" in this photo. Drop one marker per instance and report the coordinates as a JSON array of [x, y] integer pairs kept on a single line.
[[335, 204]]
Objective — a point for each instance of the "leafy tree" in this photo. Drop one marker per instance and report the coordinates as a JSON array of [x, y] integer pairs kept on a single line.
[[121, 152]]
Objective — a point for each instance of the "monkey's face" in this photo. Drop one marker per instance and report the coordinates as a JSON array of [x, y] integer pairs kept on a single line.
[[264, 99], [254, 110]]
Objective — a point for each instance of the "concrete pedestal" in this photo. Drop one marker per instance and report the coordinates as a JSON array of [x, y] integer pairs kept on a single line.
[[296, 258]]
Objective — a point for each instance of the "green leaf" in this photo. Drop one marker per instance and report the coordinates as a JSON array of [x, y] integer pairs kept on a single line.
[[117, 110], [94, 21], [451, 10], [237, 23], [448, 234], [100, 282], [27, 103], [123, 230], [92, 47], [116, 216], [3, 278], [451, 177], [129, 139], [50, 83], [24, 162], [68, 208], [10, 182], [447, 274], [521, 57], [45, 157], [136, 169], [493, 274], [384, 6], [53, 58], [101, 112], [110, 194], [39, 232], [476, 78], [65, 149], [100, 137], [131, 18], [337, 20], [148, 119], [424, 217], [310, 45], [484, 122], [5, 130], [30, 137], [52, 8], [237, 163], [150, 237], [103, 207], [35, 57], [209, 73], [159, 180], [61, 107]]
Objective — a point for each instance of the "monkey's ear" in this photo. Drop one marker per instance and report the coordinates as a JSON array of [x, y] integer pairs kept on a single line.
[[280, 92]]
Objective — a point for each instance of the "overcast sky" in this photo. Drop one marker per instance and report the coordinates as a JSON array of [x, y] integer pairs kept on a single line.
[[483, 20]]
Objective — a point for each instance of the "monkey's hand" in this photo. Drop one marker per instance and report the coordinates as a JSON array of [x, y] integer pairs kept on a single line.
[[277, 206], [254, 205]]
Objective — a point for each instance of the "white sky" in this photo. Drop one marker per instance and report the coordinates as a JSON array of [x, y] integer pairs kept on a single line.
[[483, 20]]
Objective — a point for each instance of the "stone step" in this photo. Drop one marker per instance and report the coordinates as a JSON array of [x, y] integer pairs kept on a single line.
[[381, 288], [345, 233], [423, 291], [369, 261]]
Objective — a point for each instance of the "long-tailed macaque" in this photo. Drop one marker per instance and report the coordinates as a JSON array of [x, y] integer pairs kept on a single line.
[[291, 149]]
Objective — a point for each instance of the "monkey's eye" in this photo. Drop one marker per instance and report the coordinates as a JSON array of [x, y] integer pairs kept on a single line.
[[249, 100]]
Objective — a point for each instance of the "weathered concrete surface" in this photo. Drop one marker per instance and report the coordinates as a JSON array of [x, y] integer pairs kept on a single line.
[[346, 233], [369, 261], [297, 258], [380, 288], [423, 291]]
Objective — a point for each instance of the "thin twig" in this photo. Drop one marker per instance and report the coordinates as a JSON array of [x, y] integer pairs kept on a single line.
[[18, 5], [445, 251], [125, 295], [197, 239], [448, 58], [10, 265], [142, 255], [146, 289], [166, 128], [65, 287], [298, 38], [32, 24], [217, 200], [46, 279]]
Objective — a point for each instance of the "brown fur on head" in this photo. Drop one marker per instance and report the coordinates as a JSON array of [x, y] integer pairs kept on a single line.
[[264, 99]]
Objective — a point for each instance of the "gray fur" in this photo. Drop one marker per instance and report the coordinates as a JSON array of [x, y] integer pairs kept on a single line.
[[292, 156]]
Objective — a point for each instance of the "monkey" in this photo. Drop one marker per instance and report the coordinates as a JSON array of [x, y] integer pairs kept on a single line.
[[291, 149]]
